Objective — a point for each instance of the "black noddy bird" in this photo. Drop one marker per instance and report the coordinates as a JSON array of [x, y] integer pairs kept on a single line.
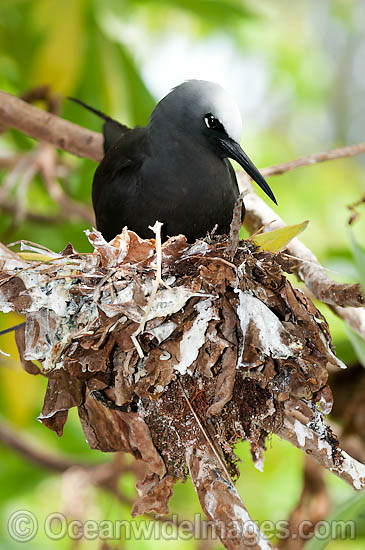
[[174, 170]]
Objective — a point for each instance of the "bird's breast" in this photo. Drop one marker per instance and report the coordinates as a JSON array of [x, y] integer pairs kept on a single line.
[[190, 193]]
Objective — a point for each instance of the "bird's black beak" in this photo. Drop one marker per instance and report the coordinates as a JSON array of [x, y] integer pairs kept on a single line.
[[235, 152]]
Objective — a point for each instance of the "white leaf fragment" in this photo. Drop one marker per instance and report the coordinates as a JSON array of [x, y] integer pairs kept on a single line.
[[355, 469], [169, 301], [271, 332], [5, 307], [162, 332], [199, 248], [336, 360], [116, 253], [194, 338]]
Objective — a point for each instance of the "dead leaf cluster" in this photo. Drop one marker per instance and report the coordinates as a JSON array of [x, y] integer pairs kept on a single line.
[[231, 351]]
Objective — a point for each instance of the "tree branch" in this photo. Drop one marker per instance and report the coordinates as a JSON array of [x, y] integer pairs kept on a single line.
[[7, 206], [41, 125], [333, 154], [221, 502], [103, 475], [340, 463], [35, 454], [346, 299]]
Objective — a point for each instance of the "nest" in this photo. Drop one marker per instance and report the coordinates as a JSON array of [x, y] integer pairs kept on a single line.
[[165, 349]]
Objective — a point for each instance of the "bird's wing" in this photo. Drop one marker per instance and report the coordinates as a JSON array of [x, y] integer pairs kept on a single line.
[[116, 182], [112, 129]]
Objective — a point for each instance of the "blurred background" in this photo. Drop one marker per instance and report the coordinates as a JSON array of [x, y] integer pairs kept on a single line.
[[297, 71]]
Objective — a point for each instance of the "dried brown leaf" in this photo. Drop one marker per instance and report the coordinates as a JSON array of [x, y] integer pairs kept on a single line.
[[154, 495], [63, 392]]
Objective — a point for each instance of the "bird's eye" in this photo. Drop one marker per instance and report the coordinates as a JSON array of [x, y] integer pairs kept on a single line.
[[212, 122]]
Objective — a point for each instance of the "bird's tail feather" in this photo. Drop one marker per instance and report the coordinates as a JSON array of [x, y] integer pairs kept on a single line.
[[112, 129], [93, 110]]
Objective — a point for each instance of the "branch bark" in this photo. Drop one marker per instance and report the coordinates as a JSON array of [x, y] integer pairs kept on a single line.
[[35, 454], [104, 475], [333, 154], [342, 464], [221, 502], [41, 125]]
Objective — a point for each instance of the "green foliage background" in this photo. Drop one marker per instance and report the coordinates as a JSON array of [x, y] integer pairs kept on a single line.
[[314, 96]]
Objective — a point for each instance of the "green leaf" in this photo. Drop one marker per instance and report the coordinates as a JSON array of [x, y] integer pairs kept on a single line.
[[276, 240], [35, 257], [349, 511]]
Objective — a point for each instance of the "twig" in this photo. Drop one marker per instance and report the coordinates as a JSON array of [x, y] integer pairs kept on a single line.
[[10, 161], [25, 241], [313, 506], [209, 258], [204, 432], [41, 159], [47, 167], [21, 167], [353, 316], [332, 154], [35, 454], [234, 232], [300, 260], [7, 206], [354, 213]]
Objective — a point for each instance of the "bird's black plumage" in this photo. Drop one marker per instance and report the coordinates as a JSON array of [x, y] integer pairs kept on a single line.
[[130, 188], [175, 170]]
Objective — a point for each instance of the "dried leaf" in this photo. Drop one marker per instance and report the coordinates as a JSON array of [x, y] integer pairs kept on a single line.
[[28, 366], [225, 382], [63, 392], [154, 495]]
